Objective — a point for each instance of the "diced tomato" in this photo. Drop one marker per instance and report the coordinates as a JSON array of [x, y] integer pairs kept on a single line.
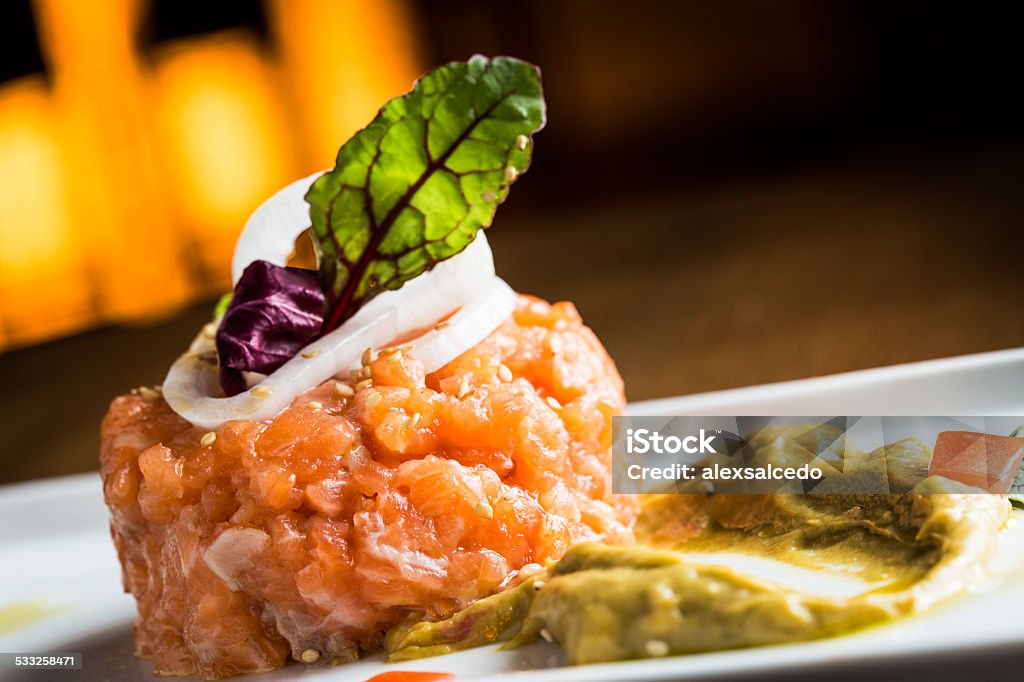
[[977, 459], [410, 676]]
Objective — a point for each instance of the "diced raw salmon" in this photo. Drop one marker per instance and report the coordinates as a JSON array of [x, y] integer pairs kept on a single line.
[[323, 527]]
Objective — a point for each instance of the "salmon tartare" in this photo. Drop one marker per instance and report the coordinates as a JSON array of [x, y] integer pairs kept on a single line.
[[393, 435]]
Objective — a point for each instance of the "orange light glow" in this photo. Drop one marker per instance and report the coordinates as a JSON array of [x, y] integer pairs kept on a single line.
[[128, 178], [343, 60], [227, 144], [42, 279], [116, 200]]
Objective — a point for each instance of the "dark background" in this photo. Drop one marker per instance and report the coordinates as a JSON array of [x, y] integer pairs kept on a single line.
[[731, 193]]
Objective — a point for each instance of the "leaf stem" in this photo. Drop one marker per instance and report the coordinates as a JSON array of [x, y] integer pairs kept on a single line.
[[340, 308]]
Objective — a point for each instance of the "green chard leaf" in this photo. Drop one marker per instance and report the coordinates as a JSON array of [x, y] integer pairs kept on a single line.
[[414, 187]]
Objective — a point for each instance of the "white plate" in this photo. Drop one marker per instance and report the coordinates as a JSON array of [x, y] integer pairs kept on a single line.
[[55, 551]]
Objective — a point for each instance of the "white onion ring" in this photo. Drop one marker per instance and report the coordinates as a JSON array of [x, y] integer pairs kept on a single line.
[[465, 282], [271, 230], [473, 323]]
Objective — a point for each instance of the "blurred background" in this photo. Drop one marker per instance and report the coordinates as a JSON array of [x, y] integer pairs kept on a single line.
[[732, 193]]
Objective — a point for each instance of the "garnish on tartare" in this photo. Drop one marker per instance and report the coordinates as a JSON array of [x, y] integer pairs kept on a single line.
[[394, 433], [408, 192]]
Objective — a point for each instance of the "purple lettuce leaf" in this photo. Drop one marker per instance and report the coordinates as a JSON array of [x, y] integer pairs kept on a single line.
[[274, 312]]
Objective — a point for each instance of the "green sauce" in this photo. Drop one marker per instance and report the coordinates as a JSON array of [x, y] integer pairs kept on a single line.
[[713, 571], [22, 614]]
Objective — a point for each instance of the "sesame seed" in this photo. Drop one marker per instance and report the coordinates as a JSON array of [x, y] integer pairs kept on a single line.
[[209, 330], [546, 635], [373, 399], [260, 391], [511, 173], [663, 594], [484, 510], [553, 403], [343, 389], [415, 420], [310, 656], [148, 393], [365, 383], [521, 142], [504, 373], [530, 570], [656, 647], [464, 388], [508, 494], [488, 196], [538, 585], [367, 356], [315, 405], [361, 374], [442, 325], [310, 354], [208, 439]]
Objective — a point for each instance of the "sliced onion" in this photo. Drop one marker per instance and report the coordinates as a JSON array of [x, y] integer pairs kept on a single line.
[[473, 323], [235, 551], [463, 283], [272, 229]]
